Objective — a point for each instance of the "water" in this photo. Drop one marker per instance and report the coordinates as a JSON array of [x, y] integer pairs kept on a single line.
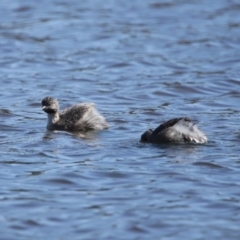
[[141, 63]]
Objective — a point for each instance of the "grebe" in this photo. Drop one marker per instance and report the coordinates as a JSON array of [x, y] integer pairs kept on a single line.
[[179, 130], [80, 117]]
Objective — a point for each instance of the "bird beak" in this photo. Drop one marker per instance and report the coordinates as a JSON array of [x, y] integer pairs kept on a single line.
[[43, 108]]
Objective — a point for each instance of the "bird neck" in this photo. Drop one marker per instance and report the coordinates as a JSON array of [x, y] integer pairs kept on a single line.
[[53, 118]]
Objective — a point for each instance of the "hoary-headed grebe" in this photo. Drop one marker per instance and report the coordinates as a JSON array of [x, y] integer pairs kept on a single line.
[[80, 117], [179, 130]]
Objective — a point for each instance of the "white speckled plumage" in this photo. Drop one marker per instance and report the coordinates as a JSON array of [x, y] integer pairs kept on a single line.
[[80, 117], [175, 130]]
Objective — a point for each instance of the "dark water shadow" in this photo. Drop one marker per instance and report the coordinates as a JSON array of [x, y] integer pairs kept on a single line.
[[88, 135]]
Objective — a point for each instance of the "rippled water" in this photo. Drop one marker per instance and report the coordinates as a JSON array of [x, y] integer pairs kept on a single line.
[[140, 62]]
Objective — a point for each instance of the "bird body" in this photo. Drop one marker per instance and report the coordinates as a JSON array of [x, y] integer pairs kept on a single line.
[[80, 117], [180, 130]]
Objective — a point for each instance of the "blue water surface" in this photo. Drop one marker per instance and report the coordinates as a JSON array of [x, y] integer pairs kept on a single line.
[[141, 63]]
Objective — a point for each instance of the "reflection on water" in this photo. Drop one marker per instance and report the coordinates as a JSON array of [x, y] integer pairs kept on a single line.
[[142, 63]]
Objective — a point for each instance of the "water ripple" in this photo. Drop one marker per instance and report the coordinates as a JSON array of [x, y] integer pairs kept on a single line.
[[141, 63]]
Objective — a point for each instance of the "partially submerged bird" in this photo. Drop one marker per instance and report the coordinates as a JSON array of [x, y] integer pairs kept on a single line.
[[80, 117], [179, 130]]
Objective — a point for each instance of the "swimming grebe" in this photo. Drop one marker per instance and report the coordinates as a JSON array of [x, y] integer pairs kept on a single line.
[[80, 117], [175, 130]]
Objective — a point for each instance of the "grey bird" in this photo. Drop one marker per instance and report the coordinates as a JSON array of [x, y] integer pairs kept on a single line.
[[80, 117], [178, 130]]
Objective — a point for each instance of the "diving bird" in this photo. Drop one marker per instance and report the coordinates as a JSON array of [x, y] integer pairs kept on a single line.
[[179, 130]]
